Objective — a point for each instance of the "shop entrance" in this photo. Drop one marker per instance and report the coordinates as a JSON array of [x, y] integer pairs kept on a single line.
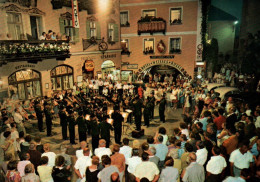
[[108, 68]]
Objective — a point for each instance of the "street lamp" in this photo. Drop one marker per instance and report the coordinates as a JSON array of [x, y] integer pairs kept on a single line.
[[236, 22]]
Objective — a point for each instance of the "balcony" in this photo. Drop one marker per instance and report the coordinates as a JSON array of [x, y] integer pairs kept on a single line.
[[33, 51], [151, 25]]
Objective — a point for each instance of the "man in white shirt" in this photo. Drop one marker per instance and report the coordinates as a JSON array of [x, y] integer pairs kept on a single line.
[[240, 159], [100, 86], [201, 153], [216, 165], [18, 119], [102, 150], [126, 150], [79, 153], [132, 162], [51, 155], [119, 88], [257, 122], [245, 174], [146, 169], [82, 163]]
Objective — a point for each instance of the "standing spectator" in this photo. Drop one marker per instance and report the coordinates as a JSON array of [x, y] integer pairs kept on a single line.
[[118, 160], [161, 150], [169, 173], [59, 173], [92, 171], [51, 155], [194, 172], [240, 159], [35, 155], [18, 118], [81, 164], [215, 166], [102, 150], [30, 174], [146, 169], [105, 174], [231, 143], [45, 171], [125, 149]]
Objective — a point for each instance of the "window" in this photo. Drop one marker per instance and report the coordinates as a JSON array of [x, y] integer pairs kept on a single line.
[[69, 29], [149, 13], [15, 28], [125, 46], [25, 84], [124, 22], [175, 45], [62, 77], [148, 46], [66, 28], [175, 16], [111, 32], [93, 30]]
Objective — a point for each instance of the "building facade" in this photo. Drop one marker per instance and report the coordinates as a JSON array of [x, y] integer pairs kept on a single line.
[[117, 37], [164, 34]]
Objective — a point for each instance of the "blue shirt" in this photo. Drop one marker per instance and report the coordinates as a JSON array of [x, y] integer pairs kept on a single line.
[[254, 150], [233, 179], [204, 121], [161, 151]]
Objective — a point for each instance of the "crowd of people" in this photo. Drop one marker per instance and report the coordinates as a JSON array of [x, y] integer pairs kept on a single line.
[[218, 140]]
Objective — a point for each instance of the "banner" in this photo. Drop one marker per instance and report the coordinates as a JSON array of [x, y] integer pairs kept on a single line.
[[75, 13]]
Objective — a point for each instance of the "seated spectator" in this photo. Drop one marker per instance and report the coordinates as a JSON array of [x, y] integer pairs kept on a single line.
[[59, 173], [45, 171], [184, 156], [7, 144], [105, 174], [21, 164], [146, 169], [150, 141], [30, 174], [102, 150], [92, 171], [51, 155], [169, 173]]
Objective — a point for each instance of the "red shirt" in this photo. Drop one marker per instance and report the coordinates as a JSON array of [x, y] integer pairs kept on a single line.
[[219, 121]]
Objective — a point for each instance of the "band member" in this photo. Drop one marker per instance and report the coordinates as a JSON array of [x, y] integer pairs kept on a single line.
[[63, 122], [39, 113], [48, 115], [138, 112], [146, 112], [118, 119], [152, 101], [94, 131], [72, 123], [104, 128], [82, 127], [162, 109]]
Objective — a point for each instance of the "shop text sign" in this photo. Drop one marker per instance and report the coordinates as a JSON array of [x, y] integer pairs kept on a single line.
[[75, 13], [162, 57], [24, 66], [161, 62], [108, 56]]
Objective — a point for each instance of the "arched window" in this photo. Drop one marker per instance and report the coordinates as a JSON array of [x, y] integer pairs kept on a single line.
[[25, 84], [62, 77]]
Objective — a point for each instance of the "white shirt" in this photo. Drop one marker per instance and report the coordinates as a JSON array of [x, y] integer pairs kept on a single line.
[[125, 87], [146, 169], [119, 86], [51, 156], [100, 83], [202, 155], [18, 118], [79, 153], [106, 84], [257, 122], [82, 163], [102, 151], [241, 161], [132, 163], [127, 151], [21, 165], [216, 164]]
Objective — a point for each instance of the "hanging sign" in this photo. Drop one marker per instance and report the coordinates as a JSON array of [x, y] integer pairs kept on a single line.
[[75, 13]]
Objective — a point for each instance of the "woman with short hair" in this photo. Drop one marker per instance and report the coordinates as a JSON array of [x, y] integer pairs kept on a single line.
[[59, 172]]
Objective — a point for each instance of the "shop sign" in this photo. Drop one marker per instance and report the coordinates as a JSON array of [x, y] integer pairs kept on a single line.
[[75, 13], [24, 66], [161, 62], [162, 57], [108, 56], [132, 66], [89, 65]]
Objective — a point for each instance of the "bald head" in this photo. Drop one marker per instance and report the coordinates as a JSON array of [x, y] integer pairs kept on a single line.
[[83, 144], [192, 157], [102, 143]]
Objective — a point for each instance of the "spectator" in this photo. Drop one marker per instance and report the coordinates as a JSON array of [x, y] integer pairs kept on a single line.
[[39, 145], [105, 174], [43, 36], [169, 173], [245, 175], [152, 157], [118, 160], [201, 153], [102, 150], [126, 149], [12, 173], [79, 153], [51, 155], [45, 171], [35, 155], [92, 171], [30, 174], [59, 172], [161, 150], [132, 162], [21, 164], [63, 152], [81, 164]]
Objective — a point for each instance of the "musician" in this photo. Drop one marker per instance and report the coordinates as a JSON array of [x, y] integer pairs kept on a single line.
[[146, 112], [82, 127], [137, 105], [39, 113], [162, 109], [152, 101], [119, 88], [63, 122], [72, 123], [105, 91], [104, 129], [100, 86], [48, 115], [118, 119], [94, 131]]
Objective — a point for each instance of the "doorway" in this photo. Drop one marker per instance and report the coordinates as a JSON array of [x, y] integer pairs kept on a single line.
[[35, 27]]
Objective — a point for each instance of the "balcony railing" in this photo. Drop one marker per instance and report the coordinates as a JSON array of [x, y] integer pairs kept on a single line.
[[24, 50], [151, 25]]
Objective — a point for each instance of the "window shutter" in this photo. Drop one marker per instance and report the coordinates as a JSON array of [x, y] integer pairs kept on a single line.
[[98, 30], [76, 34], [88, 29], [116, 36], [62, 26]]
